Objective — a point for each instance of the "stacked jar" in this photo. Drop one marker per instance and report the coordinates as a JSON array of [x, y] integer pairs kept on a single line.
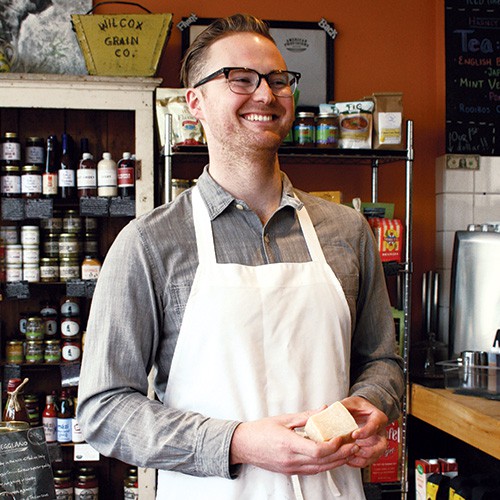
[[10, 165], [30, 241], [49, 262], [13, 251], [70, 328], [85, 484]]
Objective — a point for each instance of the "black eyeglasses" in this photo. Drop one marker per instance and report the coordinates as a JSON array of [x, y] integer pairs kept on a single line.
[[246, 81]]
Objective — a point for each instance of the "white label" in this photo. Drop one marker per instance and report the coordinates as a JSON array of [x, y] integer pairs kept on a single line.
[[31, 183], [64, 430], [11, 151], [66, 178], [34, 154], [389, 126], [71, 352], [49, 184], [76, 432], [107, 177], [50, 429], [130, 493], [69, 328], [90, 272], [11, 184], [86, 178]]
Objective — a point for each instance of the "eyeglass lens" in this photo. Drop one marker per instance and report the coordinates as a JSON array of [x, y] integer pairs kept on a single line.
[[246, 81]]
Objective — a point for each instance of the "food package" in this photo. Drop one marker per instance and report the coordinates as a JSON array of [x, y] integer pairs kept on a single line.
[[355, 121], [389, 236], [387, 469], [186, 129], [388, 120]]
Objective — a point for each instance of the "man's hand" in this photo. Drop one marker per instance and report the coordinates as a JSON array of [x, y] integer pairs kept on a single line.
[[371, 436], [272, 444]]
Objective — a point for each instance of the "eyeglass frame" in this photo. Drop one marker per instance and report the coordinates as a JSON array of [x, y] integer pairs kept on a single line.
[[226, 69]]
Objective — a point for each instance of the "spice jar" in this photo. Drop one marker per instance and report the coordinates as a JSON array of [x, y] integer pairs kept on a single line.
[[31, 273], [327, 130], [304, 130], [31, 181]]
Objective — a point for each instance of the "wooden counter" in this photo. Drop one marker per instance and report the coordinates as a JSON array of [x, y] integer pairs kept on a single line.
[[474, 420]]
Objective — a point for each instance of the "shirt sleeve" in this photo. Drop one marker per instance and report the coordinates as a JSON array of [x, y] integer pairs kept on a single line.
[[376, 368], [122, 338]]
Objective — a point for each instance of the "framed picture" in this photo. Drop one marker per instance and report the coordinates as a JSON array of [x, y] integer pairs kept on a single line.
[[307, 47]]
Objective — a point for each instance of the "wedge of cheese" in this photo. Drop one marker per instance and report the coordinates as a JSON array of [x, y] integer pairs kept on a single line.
[[332, 422]]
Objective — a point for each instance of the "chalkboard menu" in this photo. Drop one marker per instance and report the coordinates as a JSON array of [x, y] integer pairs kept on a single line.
[[472, 30]]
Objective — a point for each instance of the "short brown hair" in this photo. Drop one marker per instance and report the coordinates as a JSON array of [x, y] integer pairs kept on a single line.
[[193, 61]]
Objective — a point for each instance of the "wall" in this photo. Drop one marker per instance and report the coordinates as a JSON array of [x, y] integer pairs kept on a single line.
[[381, 46]]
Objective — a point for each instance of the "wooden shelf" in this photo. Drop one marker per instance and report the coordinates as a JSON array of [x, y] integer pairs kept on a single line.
[[474, 420]]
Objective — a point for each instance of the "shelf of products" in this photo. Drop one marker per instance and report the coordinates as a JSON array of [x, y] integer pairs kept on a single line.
[[116, 115]]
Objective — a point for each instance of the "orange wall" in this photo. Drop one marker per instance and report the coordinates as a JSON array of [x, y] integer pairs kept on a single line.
[[392, 45]]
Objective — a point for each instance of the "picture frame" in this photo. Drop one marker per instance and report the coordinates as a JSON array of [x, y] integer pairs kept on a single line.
[[307, 47]]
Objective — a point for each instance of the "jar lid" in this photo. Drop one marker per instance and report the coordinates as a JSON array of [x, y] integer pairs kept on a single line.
[[10, 168], [328, 115], [10, 135], [31, 168], [34, 139], [305, 114]]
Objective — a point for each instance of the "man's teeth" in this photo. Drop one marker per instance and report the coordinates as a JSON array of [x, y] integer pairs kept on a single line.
[[258, 118]]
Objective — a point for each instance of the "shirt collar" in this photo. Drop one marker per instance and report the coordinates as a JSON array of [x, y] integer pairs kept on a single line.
[[217, 199]]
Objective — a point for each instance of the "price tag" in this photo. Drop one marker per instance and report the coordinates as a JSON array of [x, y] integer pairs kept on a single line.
[[85, 453]]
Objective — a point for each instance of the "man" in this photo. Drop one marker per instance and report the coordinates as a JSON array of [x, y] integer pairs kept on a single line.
[[256, 303]]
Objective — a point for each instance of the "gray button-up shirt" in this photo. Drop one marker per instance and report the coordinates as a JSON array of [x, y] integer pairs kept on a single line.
[[139, 302]]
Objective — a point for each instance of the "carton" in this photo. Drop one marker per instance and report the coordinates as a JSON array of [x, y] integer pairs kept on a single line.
[[424, 468]]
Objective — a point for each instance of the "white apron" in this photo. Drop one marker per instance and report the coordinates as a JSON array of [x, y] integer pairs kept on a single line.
[[258, 341]]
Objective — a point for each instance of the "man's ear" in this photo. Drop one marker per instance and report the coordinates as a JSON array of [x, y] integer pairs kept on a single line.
[[193, 102]]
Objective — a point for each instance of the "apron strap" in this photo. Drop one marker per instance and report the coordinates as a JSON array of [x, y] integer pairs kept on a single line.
[[203, 229], [310, 236]]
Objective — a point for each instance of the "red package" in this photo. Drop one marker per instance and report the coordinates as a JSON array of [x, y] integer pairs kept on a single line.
[[389, 236]]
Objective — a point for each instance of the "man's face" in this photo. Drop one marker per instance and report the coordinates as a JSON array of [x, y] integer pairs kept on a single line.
[[259, 120]]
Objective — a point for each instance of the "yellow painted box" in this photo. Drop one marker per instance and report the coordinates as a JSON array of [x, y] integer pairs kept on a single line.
[[122, 44]]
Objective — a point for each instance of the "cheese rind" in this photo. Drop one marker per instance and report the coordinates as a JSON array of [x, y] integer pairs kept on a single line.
[[332, 422]]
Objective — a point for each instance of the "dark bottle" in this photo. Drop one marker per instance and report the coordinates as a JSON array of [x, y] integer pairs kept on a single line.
[[49, 176], [15, 407], [126, 176], [86, 176], [64, 418], [66, 174]]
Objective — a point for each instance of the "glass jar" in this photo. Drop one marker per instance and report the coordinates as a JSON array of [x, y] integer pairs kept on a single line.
[[70, 307], [13, 273], [90, 268], [13, 254], [35, 151], [69, 268], [130, 485], [72, 222], [50, 245], [31, 254], [34, 351], [9, 235], [30, 235], [327, 130], [63, 485], [10, 181], [14, 352], [10, 149], [90, 244], [69, 246], [33, 406], [31, 181], [35, 328], [52, 224], [49, 269], [70, 327], [86, 487], [304, 130], [52, 352]]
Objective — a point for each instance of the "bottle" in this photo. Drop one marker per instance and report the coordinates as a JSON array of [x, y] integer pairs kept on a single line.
[[126, 176], [107, 181], [86, 176], [130, 485], [66, 174], [64, 418], [49, 176], [49, 419], [15, 406]]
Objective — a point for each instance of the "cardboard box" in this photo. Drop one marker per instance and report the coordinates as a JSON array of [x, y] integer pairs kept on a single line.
[[423, 469], [389, 236]]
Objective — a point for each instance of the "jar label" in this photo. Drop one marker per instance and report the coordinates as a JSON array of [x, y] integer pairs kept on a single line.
[[70, 328], [34, 155], [31, 183], [11, 151], [11, 184], [71, 352], [90, 272]]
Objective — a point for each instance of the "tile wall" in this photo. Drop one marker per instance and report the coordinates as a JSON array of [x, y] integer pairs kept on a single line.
[[463, 197]]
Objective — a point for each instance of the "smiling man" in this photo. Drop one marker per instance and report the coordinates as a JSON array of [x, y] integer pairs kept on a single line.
[[257, 304]]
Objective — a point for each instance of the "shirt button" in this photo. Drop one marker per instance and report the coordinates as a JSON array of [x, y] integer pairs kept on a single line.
[[239, 206], [266, 238]]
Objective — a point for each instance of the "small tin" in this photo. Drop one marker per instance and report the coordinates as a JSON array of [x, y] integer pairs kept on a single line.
[[31, 273]]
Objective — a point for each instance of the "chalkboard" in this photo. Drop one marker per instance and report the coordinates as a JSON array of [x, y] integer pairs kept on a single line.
[[472, 29]]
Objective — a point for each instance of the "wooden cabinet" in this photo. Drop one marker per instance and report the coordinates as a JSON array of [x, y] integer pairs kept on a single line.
[[116, 115]]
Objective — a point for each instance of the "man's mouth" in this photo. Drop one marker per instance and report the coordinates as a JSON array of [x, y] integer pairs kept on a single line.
[[254, 117]]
